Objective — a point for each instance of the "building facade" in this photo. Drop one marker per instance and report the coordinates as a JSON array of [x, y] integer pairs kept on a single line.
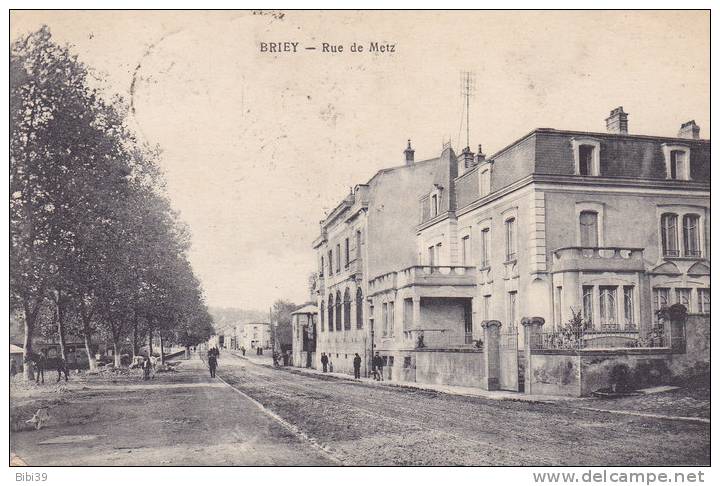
[[609, 227], [304, 332]]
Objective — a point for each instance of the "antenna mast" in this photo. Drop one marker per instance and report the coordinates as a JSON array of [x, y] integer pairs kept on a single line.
[[468, 87]]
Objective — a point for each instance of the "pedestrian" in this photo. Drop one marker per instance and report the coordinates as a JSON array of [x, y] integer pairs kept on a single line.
[[146, 367], [286, 357], [378, 366], [276, 359], [212, 364], [324, 361], [13, 368], [40, 365], [356, 364], [242, 349], [61, 368], [330, 365]]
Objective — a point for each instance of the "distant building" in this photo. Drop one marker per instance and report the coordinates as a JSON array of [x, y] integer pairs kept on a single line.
[[253, 335]]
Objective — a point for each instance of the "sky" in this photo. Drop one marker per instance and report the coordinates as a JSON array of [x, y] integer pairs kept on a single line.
[[259, 146]]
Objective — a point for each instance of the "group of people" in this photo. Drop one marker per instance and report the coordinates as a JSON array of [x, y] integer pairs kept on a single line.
[[286, 357], [39, 362], [212, 358], [377, 365]]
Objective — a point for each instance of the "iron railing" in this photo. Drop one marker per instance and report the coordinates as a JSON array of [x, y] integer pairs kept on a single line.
[[598, 339]]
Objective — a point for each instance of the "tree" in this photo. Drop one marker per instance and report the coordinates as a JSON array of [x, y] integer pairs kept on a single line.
[[281, 323]]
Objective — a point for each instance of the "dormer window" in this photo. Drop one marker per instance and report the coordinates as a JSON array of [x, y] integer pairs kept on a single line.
[[677, 162], [586, 152]]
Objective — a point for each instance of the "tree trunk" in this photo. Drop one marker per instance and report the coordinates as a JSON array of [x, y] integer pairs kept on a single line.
[[136, 347], [187, 352], [92, 364], [150, 348], [116, 353], [30, 316], [162, 350], [60, 305]]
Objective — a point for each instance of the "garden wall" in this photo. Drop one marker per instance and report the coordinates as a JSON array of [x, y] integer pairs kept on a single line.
[[462, 367]]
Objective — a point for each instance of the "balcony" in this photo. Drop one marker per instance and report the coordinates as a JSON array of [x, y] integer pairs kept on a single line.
[[424, 275], [600, 259]]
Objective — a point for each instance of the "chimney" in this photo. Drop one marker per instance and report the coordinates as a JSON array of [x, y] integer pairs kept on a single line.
[[480, 157], [617, 121], [409, 154], [466, 160], [689, 130]]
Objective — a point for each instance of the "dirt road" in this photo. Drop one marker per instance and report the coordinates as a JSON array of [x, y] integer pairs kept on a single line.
[[368, 424], [183, 418]]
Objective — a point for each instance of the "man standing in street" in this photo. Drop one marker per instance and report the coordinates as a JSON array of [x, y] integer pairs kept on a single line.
[[212, 364], [378, 365], [324, 361], [356, 364]]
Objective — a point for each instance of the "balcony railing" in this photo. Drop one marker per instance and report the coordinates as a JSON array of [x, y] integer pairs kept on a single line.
[[609, 258], [424, 275]]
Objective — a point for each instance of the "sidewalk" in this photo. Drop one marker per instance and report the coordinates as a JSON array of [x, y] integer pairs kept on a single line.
[[448, 389]]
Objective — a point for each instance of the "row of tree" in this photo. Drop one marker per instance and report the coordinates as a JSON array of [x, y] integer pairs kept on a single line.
[[96, 250]]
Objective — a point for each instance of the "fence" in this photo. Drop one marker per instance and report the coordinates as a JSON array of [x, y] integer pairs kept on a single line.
[[593, 339]]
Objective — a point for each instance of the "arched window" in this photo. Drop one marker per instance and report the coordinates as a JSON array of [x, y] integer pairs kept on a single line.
[[589, 229], [346, 309], [338, 311], [359, 308], [691, 235], [322, 316], [668, 230], [330, 313]]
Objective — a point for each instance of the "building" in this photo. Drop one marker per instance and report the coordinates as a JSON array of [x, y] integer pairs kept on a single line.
[[304, 331], [371, 232], [611, 226], [253, 335]]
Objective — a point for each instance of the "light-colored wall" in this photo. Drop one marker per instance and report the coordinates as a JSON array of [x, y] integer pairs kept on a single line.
[[449, 368]]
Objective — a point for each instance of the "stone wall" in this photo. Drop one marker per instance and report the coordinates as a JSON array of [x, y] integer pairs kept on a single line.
[[462, 367]]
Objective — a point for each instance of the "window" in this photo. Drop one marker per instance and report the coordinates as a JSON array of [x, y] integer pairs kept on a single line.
[[691, 235], [558, 305], [330, 263], [347, 252], [466, 251], [703, 301], [330, 313], [391, 318], [588, 303], [512, 310], [338, 311], [359, 308], [385, 319], [337, 257], [322, 265], [585, 159], [682, 296], [588, 229], [485, 248], [629, 305], [608, 307], [346, 309], [322, 316], [510, 248], [358, 243], [677, 164], [586, 152], [661, 299], [434, 205], [668, 230], [408, 311], [487, 306]]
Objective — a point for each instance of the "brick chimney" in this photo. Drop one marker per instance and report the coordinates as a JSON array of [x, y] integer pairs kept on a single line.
[[409, 154], [689, 130], [480, 157], [617, 122], [466, 160]]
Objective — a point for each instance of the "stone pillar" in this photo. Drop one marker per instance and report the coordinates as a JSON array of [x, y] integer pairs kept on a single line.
[[491, 346], [532, 327], [416, 313]]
